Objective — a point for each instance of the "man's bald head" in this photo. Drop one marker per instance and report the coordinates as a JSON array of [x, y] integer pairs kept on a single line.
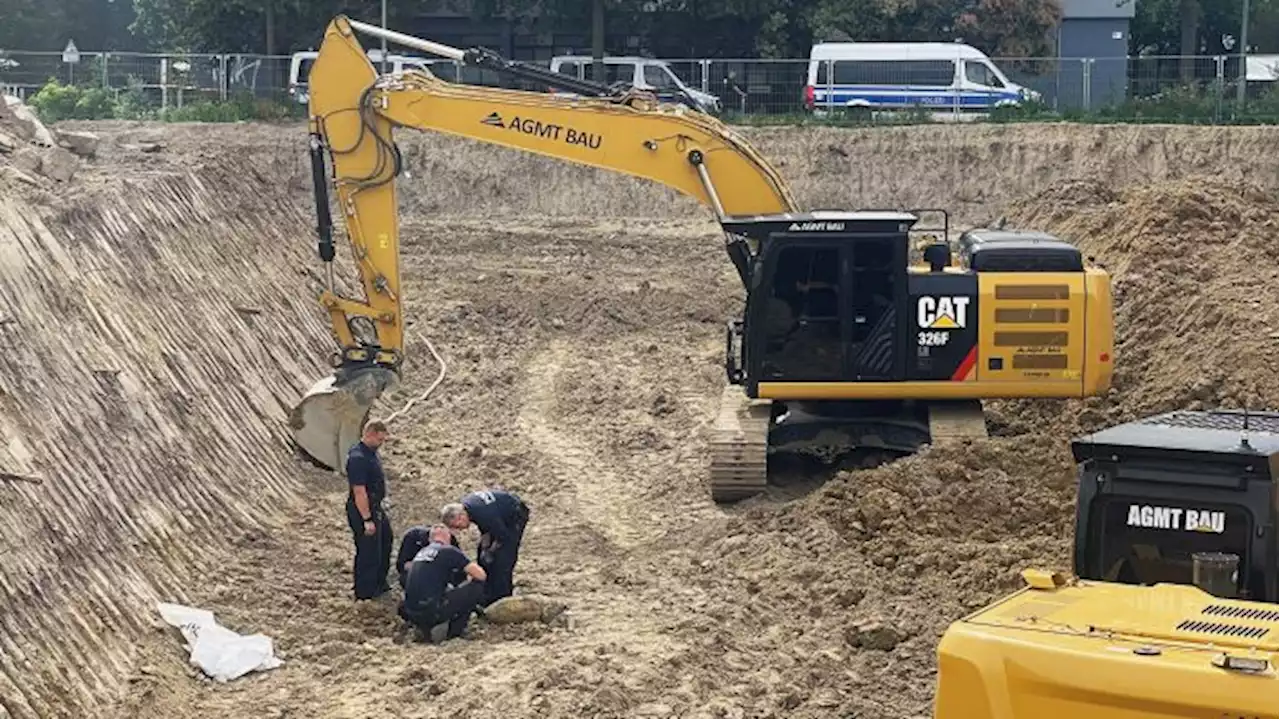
[[441, 534]]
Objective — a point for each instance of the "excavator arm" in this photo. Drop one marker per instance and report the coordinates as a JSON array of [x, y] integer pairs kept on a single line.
[[353, 111]]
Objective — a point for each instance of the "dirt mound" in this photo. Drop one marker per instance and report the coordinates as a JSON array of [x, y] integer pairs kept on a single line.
[[1194, 268], [908, 547], [916, 544]]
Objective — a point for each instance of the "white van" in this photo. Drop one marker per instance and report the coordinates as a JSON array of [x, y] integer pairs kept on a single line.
[[939, 76], [301, 62], [644, 73]]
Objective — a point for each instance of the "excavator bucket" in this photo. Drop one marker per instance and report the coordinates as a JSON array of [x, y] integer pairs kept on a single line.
[[328, 420]]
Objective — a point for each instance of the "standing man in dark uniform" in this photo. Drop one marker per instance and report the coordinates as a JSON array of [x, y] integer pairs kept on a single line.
[[370, 526], [501, 518], [428, 598]]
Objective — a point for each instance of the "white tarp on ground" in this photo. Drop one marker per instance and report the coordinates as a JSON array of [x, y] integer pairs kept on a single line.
[[219, 652], [1262, 68]]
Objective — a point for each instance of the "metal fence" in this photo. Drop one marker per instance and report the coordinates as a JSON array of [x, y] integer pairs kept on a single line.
[[169, 80], [1163, 88]]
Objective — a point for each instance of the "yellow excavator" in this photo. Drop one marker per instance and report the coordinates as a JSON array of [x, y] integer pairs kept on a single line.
[[847, 347]]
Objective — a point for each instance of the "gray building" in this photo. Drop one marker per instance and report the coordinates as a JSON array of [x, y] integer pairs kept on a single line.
[[1093, 49]]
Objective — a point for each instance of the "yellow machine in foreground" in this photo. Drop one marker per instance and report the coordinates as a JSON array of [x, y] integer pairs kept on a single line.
[[1078, 649], [843, 346]]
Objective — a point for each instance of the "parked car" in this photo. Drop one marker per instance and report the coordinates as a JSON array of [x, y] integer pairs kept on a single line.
[[301, 62], [644, 73]]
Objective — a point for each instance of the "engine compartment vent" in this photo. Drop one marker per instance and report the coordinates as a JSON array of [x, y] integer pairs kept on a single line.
[[1232, 421], [1262, 615], [1229, 630]]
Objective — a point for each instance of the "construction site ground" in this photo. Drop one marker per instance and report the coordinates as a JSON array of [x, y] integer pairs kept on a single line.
[[159, 315]]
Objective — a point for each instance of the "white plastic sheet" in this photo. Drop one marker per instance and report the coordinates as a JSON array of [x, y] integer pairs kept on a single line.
[[219, 652]]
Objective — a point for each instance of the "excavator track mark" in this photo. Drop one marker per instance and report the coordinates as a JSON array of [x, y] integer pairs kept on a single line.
[[740, 446], [956, 421]]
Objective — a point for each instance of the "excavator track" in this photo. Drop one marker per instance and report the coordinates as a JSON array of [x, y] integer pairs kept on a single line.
[[740, 446], [959, 420]]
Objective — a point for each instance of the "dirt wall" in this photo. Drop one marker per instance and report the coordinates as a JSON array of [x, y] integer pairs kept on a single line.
[[973, 172], [156, 332]]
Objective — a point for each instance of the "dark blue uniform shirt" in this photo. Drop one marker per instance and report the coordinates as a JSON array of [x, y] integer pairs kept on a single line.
[[414, 540], [494, 512], [364, 469], [430, 573]]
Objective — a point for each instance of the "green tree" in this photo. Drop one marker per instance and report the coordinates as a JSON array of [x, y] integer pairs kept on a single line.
[[46, 26], [1008, 28]]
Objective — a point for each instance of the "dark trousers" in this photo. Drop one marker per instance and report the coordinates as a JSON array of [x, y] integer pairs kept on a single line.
[[500, 565], [454, 607], [373, 553]]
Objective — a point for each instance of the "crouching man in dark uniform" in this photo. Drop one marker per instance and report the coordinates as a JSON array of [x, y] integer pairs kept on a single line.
[[413, 542], [501, 518], [370, 526], [428, 598]]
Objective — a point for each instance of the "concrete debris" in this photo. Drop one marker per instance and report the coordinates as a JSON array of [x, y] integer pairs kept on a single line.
[[59, 164], [872, 634], [26, 159], [144, 146], [8, 143], [15, 175], [28, 125], [84, 144]]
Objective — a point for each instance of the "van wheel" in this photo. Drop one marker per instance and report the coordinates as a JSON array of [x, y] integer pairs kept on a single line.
[[858, 114]]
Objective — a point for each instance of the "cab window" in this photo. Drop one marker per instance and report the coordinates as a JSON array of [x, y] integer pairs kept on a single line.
[[1142, 542], [980, 74], [801, 316], [572, 69], [658, 77]]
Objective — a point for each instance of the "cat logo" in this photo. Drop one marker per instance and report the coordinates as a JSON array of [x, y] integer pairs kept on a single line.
[[942, 313], [493, 119]]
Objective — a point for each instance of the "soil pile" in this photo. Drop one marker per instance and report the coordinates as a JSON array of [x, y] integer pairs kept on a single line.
[[918, 543], [1194, 274]]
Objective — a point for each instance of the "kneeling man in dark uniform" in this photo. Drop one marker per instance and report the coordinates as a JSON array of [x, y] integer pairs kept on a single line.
[[428, 598], [413, 542]]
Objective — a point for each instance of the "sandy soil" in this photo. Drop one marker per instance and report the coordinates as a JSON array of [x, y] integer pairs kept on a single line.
[[584, 368]]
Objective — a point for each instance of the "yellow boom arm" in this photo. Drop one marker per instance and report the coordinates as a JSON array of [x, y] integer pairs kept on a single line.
[[353, 111]]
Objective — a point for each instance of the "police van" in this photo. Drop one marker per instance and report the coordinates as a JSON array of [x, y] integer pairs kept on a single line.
[[865, 77]]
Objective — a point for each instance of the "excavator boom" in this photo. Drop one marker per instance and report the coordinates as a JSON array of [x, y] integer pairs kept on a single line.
[[353, 111]]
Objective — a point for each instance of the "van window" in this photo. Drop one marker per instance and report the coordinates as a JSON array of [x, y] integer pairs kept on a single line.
[[937, 73], [572, 69], [614, 72], [446, 71], [979, 74], [658, 77], [304, 70]]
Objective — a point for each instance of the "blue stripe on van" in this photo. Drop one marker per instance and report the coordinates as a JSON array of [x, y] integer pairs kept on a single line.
[[889, 96]]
